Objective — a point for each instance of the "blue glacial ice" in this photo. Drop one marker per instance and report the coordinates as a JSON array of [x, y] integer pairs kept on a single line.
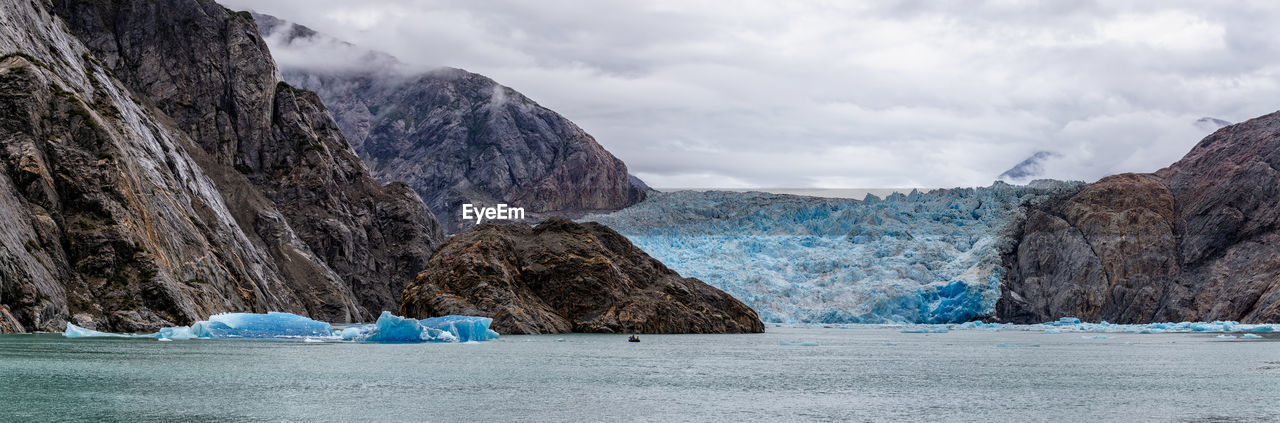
[[395, 329], [389, 328], [252, 325], [915, 258], [74, 331], [228, 325]]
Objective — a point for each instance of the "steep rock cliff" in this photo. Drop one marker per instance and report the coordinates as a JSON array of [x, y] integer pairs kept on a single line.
[[209, 70], [113, 218], [1199, 240], [562, 276]]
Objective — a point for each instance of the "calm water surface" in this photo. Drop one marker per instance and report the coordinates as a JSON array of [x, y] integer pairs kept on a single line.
[[851, 375]]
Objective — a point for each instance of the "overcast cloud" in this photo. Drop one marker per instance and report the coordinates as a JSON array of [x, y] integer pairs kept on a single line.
[[835, 94]]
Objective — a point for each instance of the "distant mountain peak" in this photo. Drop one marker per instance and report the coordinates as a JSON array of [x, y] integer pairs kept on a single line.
[[1211, 123], [455, 137], [1029, 169]]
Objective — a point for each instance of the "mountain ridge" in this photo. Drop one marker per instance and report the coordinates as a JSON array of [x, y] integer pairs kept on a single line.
[[1195, 241], [458, 137]]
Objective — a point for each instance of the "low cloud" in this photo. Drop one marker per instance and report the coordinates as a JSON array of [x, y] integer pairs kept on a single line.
[[768, 94]]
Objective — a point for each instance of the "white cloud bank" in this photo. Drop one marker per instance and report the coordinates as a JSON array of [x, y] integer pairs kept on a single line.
[[840, 94]]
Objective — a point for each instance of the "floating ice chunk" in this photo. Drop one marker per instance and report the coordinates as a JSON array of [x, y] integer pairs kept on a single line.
[[395, 329], [465, 328], [1093, 337], [1250, 336], [179, 333], [228, 325], [1227, 336], [926, 329], [1053, 331], [74, 331], [1065, 321], [251, 325], [798, 344]]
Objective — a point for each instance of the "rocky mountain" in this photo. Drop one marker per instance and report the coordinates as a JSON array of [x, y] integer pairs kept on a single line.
[[456, 137], [1197, 241], [562, 276], [1211, 123], [155, 172], [1030, 169]]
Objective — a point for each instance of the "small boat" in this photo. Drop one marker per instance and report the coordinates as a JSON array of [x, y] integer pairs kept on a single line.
[[633, 338]]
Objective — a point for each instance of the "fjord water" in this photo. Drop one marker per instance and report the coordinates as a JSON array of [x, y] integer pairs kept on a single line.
[[861, 374]]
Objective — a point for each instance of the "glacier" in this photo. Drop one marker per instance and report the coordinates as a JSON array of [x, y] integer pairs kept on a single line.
[[921, 257], [273, 325]]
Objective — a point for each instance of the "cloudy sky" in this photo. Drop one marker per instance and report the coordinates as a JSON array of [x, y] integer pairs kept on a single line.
[[840, 95]]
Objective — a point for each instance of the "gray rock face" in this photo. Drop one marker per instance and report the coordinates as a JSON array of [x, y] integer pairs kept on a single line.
[[563, 276], [458, 137], [1199, 240], [161, 174], [113, 218], [209, 70]]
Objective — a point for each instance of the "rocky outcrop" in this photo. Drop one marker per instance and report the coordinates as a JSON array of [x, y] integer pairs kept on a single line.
[[1198, 241], [208, 69], [457, 137], [562, 276], [110, 216]]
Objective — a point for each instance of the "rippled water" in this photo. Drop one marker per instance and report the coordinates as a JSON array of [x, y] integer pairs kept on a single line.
[[860, 374]]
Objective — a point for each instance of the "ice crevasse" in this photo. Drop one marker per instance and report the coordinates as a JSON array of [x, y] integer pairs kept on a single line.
[[388, 329]]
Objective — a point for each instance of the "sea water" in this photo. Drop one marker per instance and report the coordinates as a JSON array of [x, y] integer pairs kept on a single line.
[[786, 374]]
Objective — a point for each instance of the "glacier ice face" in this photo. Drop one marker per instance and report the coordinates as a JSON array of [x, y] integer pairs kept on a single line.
[[395, 329], [917, 258]]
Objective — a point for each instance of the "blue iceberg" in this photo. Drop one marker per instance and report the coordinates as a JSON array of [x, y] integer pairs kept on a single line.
[[227, 325], [465, 328], [388, 329], [395, 329], [252, 325], [74, 331]]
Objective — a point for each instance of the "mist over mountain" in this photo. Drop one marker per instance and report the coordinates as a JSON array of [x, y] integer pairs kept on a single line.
[[1029, 169], [456, 137]]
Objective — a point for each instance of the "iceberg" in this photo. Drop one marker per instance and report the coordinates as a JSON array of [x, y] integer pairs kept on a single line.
[[74, 331], [916, 258], [252, 325], [388, 329], [465, 328], [395, 329], [227, 325]]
